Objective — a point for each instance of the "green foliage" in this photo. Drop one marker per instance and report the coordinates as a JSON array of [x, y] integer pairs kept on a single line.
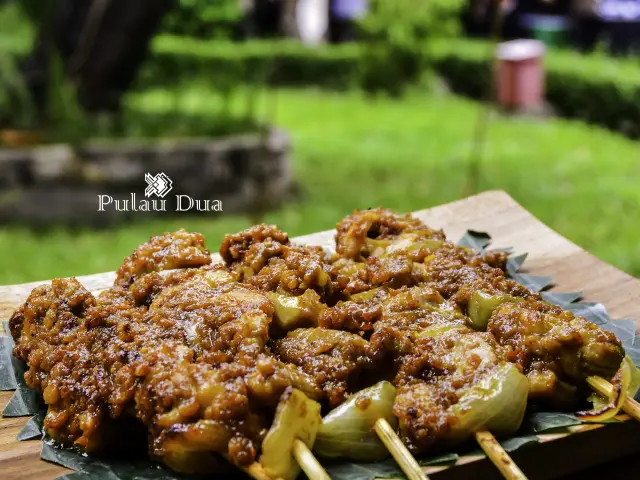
[[63, 118], [178, 60], [66, 121], [16, 31], [389, 58], [595, 88], [393, 35], [353, 152], [408, 22], [36, 11], [176, 113], [17, 108], [204, 19]]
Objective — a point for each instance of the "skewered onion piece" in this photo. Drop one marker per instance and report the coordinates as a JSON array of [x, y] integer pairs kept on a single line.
[[634, 382], [296, 312], [368, 294], [408, 243], [434, 330], [218, 277], [496, 403], [190, 450], [607, 408], [482, 305], [297, 418], [347, 431]]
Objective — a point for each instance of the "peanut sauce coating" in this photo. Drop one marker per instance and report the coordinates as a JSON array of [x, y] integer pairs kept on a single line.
[[184, 353], [200, 354], [165, 252]]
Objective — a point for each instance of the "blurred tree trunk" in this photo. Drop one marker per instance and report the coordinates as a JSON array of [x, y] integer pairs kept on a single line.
[[289, 26], [102, 43]]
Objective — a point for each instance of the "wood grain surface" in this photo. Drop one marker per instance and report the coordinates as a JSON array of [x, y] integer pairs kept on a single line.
[[509, 225]]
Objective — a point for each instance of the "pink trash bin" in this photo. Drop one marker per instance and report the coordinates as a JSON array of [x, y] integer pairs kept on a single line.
[[519, 79]]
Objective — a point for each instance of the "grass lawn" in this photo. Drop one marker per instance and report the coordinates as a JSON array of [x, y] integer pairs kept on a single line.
[[350, 152]]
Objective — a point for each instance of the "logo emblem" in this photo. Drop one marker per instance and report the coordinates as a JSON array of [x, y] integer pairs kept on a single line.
[[159, 185]]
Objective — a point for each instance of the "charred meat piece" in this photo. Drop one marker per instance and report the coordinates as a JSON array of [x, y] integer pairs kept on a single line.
[[409, 314], [293, 271], [335, 359], [185, 354], [380, 248], [218, 375], [556, 349], [64, 352], [179, 249], [358, 314], [263, 257], [393, 271], [457, 272], [454, 384], [359, 235], [235, 247]]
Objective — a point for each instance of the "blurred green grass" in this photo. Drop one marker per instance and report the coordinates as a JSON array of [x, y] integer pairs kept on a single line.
[[16, 33], [353, 152]]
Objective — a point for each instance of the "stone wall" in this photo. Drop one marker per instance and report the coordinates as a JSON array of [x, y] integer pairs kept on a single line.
[[54, 184]]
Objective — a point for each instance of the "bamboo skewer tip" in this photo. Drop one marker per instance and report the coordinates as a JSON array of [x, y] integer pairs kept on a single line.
[[256, 471], [600, 385], [308, 462], [508, 467], [412, 469], [399, 451], [630, 406], [499, 456]]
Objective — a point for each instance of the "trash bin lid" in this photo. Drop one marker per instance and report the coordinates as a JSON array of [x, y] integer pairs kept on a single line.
[[516, 50]]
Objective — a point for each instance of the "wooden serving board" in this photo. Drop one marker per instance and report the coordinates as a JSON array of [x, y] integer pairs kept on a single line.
[[581, 455]]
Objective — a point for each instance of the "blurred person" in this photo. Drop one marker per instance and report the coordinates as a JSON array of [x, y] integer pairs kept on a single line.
[[588, 26], [510, 26], [288, 20], [267, 17], [478, 17], [344, 17], [312, 20], [622, 19], [247, 7]]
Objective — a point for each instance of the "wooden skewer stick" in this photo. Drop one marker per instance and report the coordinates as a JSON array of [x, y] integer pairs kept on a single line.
[[308, 462], [303, 456], [630, 406], [399, 451], [256, 471], [499, 456]]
